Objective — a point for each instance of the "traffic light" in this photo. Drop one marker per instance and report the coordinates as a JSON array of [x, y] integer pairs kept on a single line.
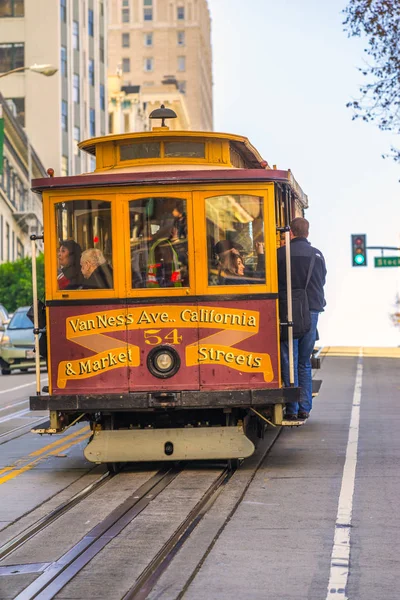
[[359, 250]]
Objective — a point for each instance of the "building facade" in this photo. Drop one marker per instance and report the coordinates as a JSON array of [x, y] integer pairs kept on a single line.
[[150, 41], [58, 111], [130, 106], [20, 209]]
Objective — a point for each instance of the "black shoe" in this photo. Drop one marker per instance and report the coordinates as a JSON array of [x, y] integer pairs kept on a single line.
[[290, 418], [303, 415]]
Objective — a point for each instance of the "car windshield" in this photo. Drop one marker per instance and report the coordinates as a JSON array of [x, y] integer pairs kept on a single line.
[[20, 321]]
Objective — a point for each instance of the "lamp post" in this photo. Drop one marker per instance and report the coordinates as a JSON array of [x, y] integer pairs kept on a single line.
[[47, 70]]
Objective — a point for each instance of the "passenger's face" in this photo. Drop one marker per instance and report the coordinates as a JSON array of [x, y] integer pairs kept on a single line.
[[85, 268], [239, 266], [63, 256]]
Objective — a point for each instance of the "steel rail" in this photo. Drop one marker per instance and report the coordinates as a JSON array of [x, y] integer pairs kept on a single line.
[[9, 435], [149, 577], [45, 521], [230, 515], [154, 570], [59, 573]]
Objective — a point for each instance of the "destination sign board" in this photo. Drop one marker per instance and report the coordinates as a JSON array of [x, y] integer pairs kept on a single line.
[[387, 261]]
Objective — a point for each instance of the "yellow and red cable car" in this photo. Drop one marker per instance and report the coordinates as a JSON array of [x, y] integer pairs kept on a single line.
[[164, 333]]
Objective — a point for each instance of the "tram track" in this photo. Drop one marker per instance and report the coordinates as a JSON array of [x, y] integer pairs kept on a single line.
[[54, 576], [60, 572], [151, 575], [41, 524]]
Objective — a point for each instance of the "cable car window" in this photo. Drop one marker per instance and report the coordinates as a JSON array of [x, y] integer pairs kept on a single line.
[[235, 240], [84, 250], [184, 149], [158, 243], [140, 150]]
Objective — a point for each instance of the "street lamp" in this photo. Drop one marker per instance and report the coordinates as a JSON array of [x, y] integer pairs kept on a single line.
[[47, 70]]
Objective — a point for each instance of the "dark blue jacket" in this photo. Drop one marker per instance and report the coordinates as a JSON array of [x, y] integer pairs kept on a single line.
[[301, 252]]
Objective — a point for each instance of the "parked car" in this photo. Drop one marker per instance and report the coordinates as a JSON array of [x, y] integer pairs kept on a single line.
[[17, 344], [4, 319]]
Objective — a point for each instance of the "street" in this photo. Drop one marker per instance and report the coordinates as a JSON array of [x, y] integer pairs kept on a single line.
[[310, 514]]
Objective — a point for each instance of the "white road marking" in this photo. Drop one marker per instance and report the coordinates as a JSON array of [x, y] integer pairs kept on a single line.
[[27, 426], [12, 405], [14, 415], [19, 387], [340, 558]]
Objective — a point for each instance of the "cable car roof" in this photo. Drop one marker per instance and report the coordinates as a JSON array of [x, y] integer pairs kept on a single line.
[[170, 156]]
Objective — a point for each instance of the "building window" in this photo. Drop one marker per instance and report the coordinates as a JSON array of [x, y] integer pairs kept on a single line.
[[20, 249], [90, 23], [11, 8], [147, 14], [182, 87], [63, 9], [148, 39], [64, 166], [7, 242], [180, 13], [125, 15], [147, 10], [76, 91], [91, 71], [12, 56], [102, 97], [92, 122], [148, 64], [64, 115], [126, 65], [101, 49], [77, 139], [180, 38], [181, 63], [75, 35], [126, 40], [17, 106], [63, 61]]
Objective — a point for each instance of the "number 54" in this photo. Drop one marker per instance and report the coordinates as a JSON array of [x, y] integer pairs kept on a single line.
[[152, 339]]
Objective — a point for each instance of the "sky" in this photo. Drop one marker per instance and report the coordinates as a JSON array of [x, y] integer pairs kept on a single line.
[[283, 73]]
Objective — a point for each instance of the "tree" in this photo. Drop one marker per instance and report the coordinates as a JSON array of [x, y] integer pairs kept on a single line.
[[379, 21], [16, 282]]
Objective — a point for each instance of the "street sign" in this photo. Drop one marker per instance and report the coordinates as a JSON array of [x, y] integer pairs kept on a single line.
[[387, 261]]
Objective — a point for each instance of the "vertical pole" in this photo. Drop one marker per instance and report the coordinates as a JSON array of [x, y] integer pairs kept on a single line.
[[289, 288], [35, 315]]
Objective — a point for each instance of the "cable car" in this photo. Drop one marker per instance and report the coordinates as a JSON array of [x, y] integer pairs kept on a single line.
[[161, 325]]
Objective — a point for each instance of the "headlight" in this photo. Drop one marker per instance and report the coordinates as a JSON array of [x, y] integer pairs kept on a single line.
[[5, 341], [163, 362]]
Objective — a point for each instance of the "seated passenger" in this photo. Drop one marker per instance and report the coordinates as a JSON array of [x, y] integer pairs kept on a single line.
[[96, 271], [69, 257], [232, 269]]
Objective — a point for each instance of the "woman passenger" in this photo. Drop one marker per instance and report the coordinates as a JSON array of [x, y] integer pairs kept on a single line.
[[232, 269], [69, 259]]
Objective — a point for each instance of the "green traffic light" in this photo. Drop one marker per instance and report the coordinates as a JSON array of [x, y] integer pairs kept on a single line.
[[359, 259]]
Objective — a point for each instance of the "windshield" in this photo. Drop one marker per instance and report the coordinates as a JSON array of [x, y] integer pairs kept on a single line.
[[20, 321]]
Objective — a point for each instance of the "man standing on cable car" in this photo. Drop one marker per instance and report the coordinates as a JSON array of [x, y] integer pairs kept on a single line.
[[301, 253]]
